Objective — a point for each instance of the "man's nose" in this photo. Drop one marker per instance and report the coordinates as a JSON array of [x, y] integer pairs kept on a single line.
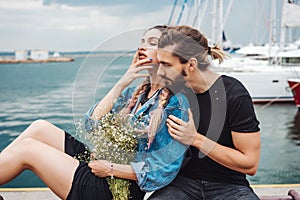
[[160, 70]]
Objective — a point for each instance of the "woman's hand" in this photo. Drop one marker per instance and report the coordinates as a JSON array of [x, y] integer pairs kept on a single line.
[[184, 132], [133, 71], [101, 168], [107, 103]]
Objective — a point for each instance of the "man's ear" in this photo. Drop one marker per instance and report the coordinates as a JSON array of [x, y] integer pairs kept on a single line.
[[193, 64]]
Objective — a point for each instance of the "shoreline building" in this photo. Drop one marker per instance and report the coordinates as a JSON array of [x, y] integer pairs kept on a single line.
[[39, 54], [31, 55], [21, 55]]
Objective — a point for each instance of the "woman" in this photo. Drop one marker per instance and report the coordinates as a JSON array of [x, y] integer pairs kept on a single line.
[[49, 152]]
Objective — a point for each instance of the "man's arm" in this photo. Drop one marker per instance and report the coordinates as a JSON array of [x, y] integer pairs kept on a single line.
[[244, 158]]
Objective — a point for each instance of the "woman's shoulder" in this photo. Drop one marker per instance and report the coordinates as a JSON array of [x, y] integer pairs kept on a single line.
[[179, 99]]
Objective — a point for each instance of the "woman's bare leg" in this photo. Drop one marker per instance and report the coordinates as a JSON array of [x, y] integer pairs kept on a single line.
[[54, 167], [44, 132]]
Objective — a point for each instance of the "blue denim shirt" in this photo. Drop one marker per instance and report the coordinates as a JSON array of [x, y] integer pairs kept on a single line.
[[157, 166]]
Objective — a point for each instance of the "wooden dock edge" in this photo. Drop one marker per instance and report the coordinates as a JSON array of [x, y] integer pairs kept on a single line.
[[275, 185], [262, 190], [275, 191]]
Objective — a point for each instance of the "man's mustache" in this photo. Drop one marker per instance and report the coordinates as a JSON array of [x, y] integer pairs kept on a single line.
[[175, 85]]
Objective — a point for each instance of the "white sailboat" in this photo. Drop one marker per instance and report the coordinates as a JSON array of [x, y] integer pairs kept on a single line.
[[264, 70], [265, 82]]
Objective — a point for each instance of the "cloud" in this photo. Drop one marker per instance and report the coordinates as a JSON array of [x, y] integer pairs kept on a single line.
[[83, 24], [20, 5], [63, 25], [137, 6]]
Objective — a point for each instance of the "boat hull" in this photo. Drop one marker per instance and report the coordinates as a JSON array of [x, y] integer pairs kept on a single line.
[[295, 87], [265, 83], [264, 86]]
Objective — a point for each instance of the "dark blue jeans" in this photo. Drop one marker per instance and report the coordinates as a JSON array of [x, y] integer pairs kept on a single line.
[[183, 188]]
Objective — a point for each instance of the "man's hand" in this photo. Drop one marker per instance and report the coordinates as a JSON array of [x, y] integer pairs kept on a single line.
[[184, 132]]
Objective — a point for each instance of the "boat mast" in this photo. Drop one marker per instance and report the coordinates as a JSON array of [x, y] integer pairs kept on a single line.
[[272, 36], [217, 24], [283, 29], [220, 33], [181, 12], [172, 13], [202, 12]]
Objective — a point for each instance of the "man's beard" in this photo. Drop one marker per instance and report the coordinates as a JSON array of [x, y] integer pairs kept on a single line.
[[175, 85]]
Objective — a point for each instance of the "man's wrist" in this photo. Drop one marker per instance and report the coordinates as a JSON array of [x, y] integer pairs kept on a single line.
[[194, 142], [197, 141]]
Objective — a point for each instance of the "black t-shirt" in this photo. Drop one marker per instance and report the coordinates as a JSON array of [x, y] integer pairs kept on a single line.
[[225, 107]]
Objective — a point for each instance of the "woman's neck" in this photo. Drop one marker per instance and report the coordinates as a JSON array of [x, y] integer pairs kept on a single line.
[[154, 83], [153, 89]]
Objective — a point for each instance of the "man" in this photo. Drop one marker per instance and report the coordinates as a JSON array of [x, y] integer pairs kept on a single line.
[[226, 145]]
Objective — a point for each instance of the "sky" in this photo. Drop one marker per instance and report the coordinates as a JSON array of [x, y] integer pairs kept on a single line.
[[84, 25]]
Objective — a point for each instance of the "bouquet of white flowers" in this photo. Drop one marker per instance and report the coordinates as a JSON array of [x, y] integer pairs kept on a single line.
[[115, 140]]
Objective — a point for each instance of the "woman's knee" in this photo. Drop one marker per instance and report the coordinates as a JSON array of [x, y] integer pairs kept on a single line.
[[45, 132], [39, 123], [36, 128]]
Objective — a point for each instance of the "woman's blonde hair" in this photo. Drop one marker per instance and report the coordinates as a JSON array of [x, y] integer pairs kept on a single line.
[[145, 86], [156, 115]]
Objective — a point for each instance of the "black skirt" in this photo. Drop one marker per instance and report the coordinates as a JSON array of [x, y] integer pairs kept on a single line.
[[87, 186]]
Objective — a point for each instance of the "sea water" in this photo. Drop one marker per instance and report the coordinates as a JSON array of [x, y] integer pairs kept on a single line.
[[60, 92]]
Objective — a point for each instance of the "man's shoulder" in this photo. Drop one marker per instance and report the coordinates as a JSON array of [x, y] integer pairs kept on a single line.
[[232, 84], [229, 80]]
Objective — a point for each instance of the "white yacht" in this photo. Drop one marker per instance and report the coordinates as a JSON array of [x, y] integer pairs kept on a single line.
[[264, 70]]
